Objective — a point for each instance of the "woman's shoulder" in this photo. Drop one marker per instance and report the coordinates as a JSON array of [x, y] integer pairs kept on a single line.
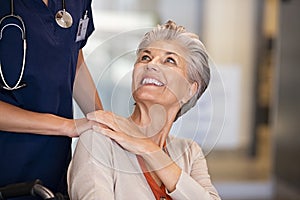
[[94, 145], [91, 140], [104, 151], [91, 136], [182, 142], [184, 146]]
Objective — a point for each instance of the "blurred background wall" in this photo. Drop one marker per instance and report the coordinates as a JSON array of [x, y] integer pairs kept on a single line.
[[247, 121], [285, 104]]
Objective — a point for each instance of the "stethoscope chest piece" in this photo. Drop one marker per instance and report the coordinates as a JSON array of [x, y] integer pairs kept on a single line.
[[63, 19]]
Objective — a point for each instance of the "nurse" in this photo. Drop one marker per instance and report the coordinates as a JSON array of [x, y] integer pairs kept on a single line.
[[36, 124]]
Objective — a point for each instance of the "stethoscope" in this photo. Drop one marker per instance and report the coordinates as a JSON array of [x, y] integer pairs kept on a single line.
[[62, 18]]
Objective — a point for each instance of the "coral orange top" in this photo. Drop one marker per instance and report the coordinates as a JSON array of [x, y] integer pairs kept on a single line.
[[159, 192]]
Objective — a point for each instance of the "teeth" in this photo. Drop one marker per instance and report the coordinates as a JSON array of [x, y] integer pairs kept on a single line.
[[152, 81]]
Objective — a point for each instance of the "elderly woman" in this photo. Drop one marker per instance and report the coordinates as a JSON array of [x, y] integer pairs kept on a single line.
[[135, 157]]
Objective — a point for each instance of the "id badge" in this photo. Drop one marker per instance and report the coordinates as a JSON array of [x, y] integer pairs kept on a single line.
[[82, 27]]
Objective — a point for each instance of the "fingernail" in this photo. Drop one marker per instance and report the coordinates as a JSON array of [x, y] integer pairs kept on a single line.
[[96, 128], [88, 116]]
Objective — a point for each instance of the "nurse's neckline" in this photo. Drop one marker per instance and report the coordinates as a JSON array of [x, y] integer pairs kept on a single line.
[[45, 2]]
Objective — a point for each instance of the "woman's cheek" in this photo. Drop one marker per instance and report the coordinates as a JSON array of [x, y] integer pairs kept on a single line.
[[178, 85]]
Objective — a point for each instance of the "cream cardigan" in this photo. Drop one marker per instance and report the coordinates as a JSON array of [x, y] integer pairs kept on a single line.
[[101, 169]]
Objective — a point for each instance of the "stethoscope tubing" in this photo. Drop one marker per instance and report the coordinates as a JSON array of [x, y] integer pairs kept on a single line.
[[23, 31]]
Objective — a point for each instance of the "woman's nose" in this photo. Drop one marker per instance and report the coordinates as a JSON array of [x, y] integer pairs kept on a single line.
[[151, 67], [153, 64]]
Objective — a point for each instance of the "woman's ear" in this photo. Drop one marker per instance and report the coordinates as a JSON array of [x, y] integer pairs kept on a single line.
[[191, 92], [193, 89]]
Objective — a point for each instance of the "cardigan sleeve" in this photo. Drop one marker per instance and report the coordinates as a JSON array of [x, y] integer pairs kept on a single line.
[[195, 183], [89, 179]]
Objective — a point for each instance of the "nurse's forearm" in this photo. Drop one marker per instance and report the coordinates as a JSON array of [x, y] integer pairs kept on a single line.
[[15, 119], [85, 92]]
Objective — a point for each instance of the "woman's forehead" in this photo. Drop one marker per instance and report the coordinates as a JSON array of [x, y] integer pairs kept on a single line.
[[170, 46]]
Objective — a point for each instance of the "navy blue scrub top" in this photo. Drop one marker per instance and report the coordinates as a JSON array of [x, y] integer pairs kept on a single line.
[[49, 74]]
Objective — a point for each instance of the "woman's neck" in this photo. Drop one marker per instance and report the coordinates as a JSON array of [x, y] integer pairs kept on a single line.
[[154, 121]]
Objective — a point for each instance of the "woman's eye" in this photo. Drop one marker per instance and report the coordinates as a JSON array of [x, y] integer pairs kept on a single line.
[[170, 60], [145, 57]]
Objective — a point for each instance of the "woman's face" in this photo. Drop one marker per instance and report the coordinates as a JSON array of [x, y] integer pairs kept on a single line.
[[160, 75]]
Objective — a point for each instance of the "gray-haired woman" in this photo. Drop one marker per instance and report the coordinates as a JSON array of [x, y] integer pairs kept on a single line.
[[135, 157]]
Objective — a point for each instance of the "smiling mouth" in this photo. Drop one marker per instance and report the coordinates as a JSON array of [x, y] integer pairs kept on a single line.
[[151, 81]]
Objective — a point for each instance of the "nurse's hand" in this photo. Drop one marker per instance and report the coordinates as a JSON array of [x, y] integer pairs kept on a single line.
[[75, 127]]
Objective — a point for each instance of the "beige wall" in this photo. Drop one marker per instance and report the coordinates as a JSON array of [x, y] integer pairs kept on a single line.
[[228, 32]]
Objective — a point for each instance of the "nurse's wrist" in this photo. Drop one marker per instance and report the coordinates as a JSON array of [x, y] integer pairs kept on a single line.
[[69, 128], [60, 126]]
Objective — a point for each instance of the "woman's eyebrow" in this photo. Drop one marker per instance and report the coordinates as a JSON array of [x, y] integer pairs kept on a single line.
[[146, 51], [166, 53], [171, 53]]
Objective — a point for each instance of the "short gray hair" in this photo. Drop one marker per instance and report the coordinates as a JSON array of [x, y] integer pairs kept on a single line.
[[197, 57]]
